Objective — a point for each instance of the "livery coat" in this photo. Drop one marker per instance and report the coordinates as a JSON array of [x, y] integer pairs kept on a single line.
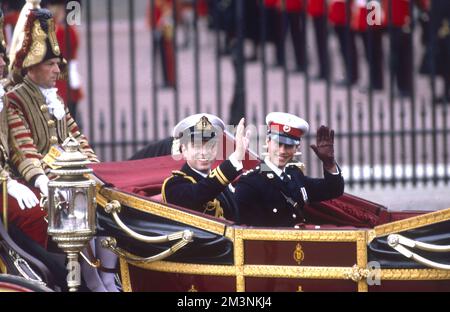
[[33, 130], [29, 221], [264, 199], [210, 195]]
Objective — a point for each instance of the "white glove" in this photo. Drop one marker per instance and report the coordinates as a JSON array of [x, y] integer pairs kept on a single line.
[[42, 184], [24, 196]]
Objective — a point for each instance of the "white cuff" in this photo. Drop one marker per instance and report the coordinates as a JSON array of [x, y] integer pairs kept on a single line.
[[237, 164], [42, 179], [338, 170]]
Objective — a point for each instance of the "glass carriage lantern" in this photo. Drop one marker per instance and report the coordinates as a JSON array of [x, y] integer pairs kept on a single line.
[[71, 207]]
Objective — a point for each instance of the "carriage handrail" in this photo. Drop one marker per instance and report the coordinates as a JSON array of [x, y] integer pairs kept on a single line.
[[114, 207], [111, 244], [397, 241], [419, 245]]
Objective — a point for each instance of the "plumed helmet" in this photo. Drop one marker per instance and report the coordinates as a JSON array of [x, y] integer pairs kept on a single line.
[[40, 42]]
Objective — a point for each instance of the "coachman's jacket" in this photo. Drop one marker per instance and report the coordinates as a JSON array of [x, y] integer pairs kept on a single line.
[[33, 130], [210, 195], [264, 199]]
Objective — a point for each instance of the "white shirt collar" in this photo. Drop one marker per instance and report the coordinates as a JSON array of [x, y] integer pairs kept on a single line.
[[199, 172], [272, 166], [55, 106]]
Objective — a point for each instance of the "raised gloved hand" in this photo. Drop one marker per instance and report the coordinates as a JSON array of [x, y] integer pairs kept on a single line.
[[42, 184], [24, 196], [242, 140], [324, 147]]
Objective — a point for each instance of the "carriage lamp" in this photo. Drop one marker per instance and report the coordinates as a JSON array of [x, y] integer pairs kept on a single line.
[[71, 207]]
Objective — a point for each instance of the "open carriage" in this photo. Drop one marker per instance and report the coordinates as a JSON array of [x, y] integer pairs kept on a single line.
[[349, 244]]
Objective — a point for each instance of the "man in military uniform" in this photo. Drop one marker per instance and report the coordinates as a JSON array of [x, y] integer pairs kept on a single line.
[[68, 39], [275, 192], [37, 119], [196, 186]]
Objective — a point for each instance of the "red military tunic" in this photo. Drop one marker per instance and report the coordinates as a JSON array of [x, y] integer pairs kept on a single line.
[[337, 13], [10, 21], [292, 5], [68, 44], [359, 17], [271, 3], [316, 8], [400, 12]]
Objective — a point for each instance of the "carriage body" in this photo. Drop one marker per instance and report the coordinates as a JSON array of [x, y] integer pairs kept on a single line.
[[345, 248]]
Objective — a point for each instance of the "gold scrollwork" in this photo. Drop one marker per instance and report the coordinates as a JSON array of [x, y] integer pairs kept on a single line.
[[38, 48], [192, 289], [356, 273], [52, 37], [411, 223]]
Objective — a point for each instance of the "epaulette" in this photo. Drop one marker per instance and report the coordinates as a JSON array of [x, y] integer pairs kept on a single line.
[[299, 165], [178, 173]]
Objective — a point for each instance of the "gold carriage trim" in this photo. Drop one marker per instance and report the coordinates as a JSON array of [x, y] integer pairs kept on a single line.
[[414, 274], [125, 276], [303, 235], [410, 223]]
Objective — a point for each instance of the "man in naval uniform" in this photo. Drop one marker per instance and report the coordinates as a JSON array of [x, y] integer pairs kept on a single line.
[[197, 186], [275, 192]]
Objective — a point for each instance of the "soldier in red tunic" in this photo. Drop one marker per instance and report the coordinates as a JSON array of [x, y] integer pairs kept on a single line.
[[338, 18], [398, 17], [296, 26], [11, 11], [316, 9], [69, 90], [161, 24], [371, 36], [437, 40]]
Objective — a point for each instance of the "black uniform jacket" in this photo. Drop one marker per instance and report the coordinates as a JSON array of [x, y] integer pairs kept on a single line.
[[264, 199], [210, 195]]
